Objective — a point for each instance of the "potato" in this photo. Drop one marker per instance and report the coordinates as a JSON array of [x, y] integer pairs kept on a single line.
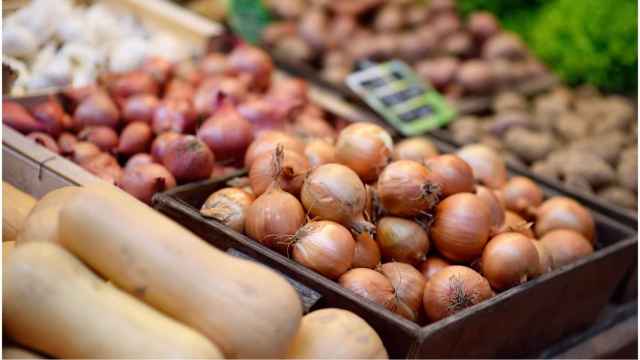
[[619, 196], [529, 145], [590, 167], [570, 126], [475, 76], [508, 101]]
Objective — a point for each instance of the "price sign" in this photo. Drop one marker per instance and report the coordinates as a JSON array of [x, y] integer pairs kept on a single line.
[[401, 97], [248, 18]]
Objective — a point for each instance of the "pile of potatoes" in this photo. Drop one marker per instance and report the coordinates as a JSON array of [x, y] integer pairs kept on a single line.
[[458, 56], [580, 137]]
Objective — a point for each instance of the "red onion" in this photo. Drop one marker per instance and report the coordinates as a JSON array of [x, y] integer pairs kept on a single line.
[[160, 144], [138, 159], [253, 61], [267, 142], [262, 114], [214, 64], [179, 89], [319, 152], [132, 83], [188, 159], [365, 148], [188, 71], [174, 115], [227, 133], [222, 171], [207, 97], [83, 151], [488, 166], [45, 140], [286, 167], [66, 141], [77, 94], [407, 188], [105, 167], [140, 108], [159, 68], [17, 117], [290, 88], [50, 114], [103, 136], [135, 138], [144, 180], [97, 109]]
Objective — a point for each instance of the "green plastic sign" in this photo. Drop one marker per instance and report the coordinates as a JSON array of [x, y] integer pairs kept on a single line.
[[248, 18]]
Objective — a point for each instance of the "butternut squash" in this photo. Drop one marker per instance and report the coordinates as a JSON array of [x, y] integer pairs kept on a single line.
[[336, 334], [12, 352], [54, 304], [15, 208], [42, 222], [245, 308]]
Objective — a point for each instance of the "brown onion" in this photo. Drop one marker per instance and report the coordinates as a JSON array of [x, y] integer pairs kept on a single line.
[[319, 152], [188, 159], [83, 151], [365, 148], [254, 61], [431, 266], [227, 133], [407, 188], [105, 167], [50, 114], [452, 289], [135, 138], [16, 116], [140, 108], [286, 167], [324, 246], [371, 285], [132, 83], [416, 148], [408, 284], [521, 194], [174, 115], [103, 136], [267, 142], [66, 142], [516, 223], [566, 246], [144, 180], [273, 217], [229, 206], [367, 252], [488, 166], [546, 259], [451, 173], [161, 143], [45, 140], [509, 259], [493, 204], [402, 240], [138, 159], [97, 109], [461, 227], [564, 213]]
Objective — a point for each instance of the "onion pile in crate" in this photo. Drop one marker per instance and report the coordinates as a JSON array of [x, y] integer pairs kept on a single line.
[[163, 124], [421, 233]]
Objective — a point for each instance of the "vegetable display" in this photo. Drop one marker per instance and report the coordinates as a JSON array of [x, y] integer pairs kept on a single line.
[[16, 206]]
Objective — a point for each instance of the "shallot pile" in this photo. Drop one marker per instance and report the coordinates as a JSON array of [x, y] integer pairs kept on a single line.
[[421, 233], [165, 124], [459, 57]]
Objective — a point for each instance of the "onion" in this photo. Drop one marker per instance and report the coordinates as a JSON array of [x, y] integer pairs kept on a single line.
[[254, 61], [408, 284], [371, 285], [77, 94], [493, 204], [545, 257], [566, 246], [97, 109], [214, 64], [319, 152], [274, 217], [516, 223], [227, 133], [50, 114], [45, 140], [188, 71], [521, 194], [179, 89], [509, 259], [564, 213], [83, 151], [286, 167], [102, 136], [367, 252], [431, 266], [290, 88], [16, 116], [132, 83], [174, 115], [483, 25], [66, 141], [407, 188], [159, 69], [263, 114], [144, 180], [307, 126], [365, 148], [222, 171], [135, 138], [138, 159], [461, 227], [267, 142], [229, 206], [451, 173], [161, 143], [140, 108], [416, 148], [402, 240], [452, 289], [188, 159], [105, 167], [324, 246], [488, 167], [206, 99]]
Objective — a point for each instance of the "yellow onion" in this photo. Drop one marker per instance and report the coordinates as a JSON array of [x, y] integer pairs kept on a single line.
[[407, 188], [229, 206], [564, 213], [408, 284], [416, 148], [371, 285], [546, 260], [402, 240], [521, 194], [488, 166], [566, 246], [509, 259], [367, 252], [495, 207], [365, 148], [286, 167], [451, 173], [431, 266]]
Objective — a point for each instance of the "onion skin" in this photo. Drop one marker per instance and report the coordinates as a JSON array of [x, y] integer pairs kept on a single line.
[[188, 159], [253, 61], [509, 259], [408, 284], [407, 188], [402, 240], [66, 141], [138, 159], [50, 114], [135, 138], [566, 246], [144, 180], [274, 217], [324, 246], [103, 137], [83, 151], [229, 206], [488, 166], [451, 173], [545, 257], [227, 133], [495, 207], [417, 148], [161, 143], [267, 142], [140, 108], [461, 227], [285, 167], [45, 140], [17, 117], [431, 266], [452, 289], [367, 251], [371, 285], [174, 115], [564, 213], [319, 152], [521, 194], [365, 148], [97, 109]]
